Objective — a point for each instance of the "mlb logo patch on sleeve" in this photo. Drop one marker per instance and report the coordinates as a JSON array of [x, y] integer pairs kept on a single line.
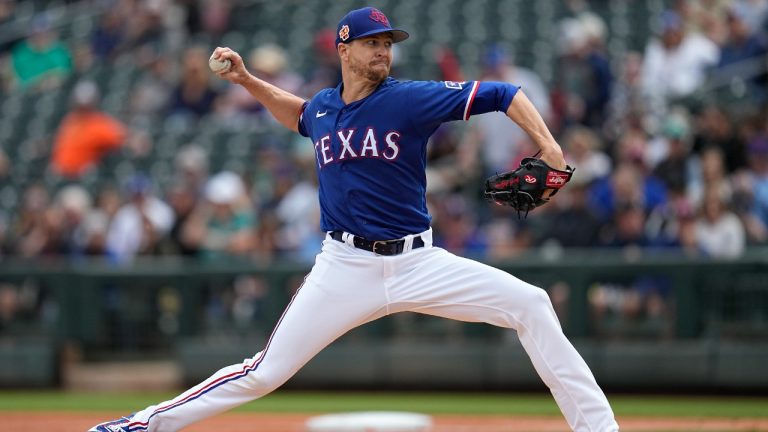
[[453, 85]]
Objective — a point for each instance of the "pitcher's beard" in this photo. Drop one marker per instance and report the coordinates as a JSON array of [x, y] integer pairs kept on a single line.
[[371, 74]]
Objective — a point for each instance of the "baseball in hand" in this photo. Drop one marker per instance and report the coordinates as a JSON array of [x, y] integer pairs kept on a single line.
[[219, 65]]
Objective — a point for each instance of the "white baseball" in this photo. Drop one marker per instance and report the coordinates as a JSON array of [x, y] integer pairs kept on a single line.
[[219, 65]]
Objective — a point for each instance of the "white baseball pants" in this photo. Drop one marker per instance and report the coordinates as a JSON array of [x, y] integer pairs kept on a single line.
[[348, 287]]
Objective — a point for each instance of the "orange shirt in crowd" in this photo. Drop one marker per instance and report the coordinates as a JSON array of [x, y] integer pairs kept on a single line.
[[82, 139]]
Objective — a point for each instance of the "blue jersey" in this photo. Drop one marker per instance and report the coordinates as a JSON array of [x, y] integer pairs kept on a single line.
[[371, 154]]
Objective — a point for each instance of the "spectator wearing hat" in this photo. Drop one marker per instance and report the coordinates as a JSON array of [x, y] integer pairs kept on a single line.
[[72, 206], [582, 72], [224, 223], [85, 134], [269, 62], [673, 149], [676, 63]]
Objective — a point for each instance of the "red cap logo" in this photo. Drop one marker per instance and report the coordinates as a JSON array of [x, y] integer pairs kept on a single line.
[[529, 178], [378, 16], [344, 32]]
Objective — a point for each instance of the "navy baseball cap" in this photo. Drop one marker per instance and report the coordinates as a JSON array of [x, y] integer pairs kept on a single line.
[[364, 22]]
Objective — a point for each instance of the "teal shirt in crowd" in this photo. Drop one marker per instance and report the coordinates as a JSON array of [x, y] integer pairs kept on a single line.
[[32, 65]]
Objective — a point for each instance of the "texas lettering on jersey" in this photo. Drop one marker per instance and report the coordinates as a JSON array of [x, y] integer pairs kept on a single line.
[[355, 145], [371, 153]]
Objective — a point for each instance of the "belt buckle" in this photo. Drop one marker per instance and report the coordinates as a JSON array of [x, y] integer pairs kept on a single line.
[[384, 242]]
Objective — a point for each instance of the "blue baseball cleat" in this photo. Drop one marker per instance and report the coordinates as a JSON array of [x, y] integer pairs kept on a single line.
[[119, 425]]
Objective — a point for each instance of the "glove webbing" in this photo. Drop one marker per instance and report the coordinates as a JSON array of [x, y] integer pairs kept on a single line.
[[516, 196]]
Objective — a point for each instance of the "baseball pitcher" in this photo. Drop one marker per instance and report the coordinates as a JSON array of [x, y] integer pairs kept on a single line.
[[370, 135]]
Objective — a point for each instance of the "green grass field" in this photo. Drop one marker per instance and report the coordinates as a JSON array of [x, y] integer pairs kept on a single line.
[[432, 403]]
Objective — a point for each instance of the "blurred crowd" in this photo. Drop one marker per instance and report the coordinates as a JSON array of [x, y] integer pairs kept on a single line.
[[670, 143]]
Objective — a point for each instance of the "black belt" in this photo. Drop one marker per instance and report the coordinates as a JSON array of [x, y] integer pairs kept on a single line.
[[379, 247]]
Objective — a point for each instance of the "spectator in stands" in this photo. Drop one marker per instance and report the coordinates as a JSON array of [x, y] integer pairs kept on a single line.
[[629, 182], [743, 54], [10, 307], [211, 16], [758, 178], [184, 194], [449, 65], [95, 225], [571, 222], [755, 14], [35, 231], [5, 167], [144, 22], [270, 63], [451, 158], [714, 127], [299, 213], [501, 140], [151, 95], [676, 168], [7, 10], [583, 73], [85, 134], [194, 96], [675, 64], [42, 60], [686, 234], [628, 105], [704, 17], [72, 206], [109, 36], [183, 200], [665, 224], [191, 167], [454, 227], [742, 42], [627, 229], [3, 234], [719, 232], [583, 149], [223, 225], [140, 224], [326, 72], [675, 165], [743, 204], [711, 175]]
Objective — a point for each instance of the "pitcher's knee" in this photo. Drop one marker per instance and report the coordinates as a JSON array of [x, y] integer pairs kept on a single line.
[[262, 383], [534, 304], [541, 299]]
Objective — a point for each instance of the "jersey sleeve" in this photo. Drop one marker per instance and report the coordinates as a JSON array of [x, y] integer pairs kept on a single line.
[[435, 102], [305, 127]]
